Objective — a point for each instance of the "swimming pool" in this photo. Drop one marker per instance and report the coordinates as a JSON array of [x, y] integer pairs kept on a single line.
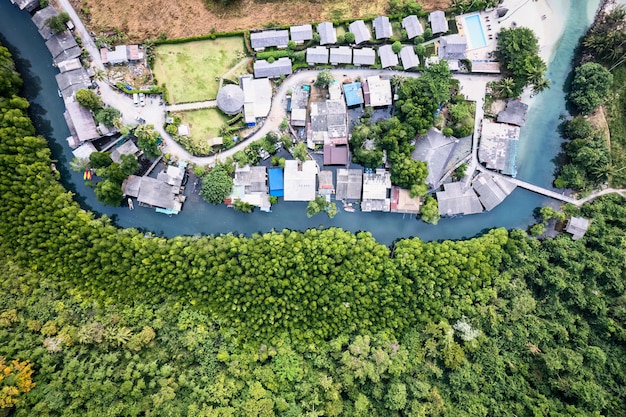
[[474, 32]]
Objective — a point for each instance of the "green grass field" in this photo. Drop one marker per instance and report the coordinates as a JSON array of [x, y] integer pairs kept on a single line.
[[203, 125], [189, 69], [616, 114]]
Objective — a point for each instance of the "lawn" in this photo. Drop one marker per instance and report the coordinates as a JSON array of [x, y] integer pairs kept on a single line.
[[189, 70], [616, 112], [203, 125]]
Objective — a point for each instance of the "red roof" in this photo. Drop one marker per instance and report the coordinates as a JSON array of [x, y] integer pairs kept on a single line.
[[335, 155]]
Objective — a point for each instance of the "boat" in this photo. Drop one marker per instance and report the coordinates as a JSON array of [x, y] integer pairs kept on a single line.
[[59, 93], [87, 175], [348, 207], [131, 206]]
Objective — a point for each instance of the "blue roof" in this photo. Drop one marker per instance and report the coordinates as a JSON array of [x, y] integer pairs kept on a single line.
[[353, 94], [277, 187]]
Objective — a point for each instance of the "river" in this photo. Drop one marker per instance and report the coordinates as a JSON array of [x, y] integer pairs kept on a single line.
[[539, 145]]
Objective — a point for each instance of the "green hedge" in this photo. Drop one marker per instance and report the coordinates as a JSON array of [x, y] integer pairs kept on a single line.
[[210, 36], [281, 53]]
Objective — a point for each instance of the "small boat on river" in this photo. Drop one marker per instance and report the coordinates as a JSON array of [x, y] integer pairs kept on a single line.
[[131, 206]]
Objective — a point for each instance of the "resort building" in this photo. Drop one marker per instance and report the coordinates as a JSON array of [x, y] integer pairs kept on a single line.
[[376, 191], [336, 155], [409, 57], [257, 98], [452, 48], [328, 33], [70, 82], [364, 56], [577, 227], [155, 193], [361, 32], [377, 92], [325, 185], [317, 55], [382, 27], [436, 150], [349, 184], [230, 99], [402, 202], [119, 55], [388, 58], [40, 18], [456, 199], [250, 186], [269, 38], [412, 26], [498, 146], [263, 69], [80, 122], [491, 190], [301, 33], [299, 180], [329, 123], [62, 47], [514, 113], [353, 94], [438, 22], [341, 55]]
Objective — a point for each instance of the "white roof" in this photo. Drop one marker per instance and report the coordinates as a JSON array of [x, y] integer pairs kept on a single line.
[[84, 150], [379, 90], [387, 57], [341, 55], [118, 55], [301, 33], [317, 55], [361, 32], [300, 180], [438, 22], [409, 57], [328, 34], [364, 56], [412, 26], [183, 130]]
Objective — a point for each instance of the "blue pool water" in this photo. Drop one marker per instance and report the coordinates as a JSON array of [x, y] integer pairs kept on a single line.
[[474, 31]]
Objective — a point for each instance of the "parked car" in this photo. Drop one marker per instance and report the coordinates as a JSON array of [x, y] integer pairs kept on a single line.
[[142, 99], [140, 119]]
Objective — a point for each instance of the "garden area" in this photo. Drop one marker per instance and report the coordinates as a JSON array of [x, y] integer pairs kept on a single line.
[[190, 71], [204, 125]]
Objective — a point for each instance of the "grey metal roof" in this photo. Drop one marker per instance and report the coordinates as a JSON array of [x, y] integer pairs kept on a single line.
[[438, 22], [387, 57], [409, 57], [349, 184], [382, 27], [63, 46], [77, 77], [263, 69], [131, 186], [412, 26], [435, 149], [81, 122], [361, 32], [456, 199], [325, 183], [29, 5], [341, 55], [515, 113], [268, 38], [328, 34], [364, 56], [230, 99], [317, 55], [84, 150], [155, 193], [126, 148], [452, 47], [301, 33], [40, 18], [489, 192], [577, 226]]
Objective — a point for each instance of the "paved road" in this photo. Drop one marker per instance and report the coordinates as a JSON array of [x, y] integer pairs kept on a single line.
[[88, 42]]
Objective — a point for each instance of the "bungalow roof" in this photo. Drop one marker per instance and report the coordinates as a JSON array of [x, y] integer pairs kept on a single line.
[[364, 56], [317, 55], [382, 27], [341, 55], [300, 180], [327, 32], [81, 122], [452, 47], [63, 46], [412, 26], [269, 38], [456, 199], [409, 57], [301, 33], [514, 114], [263, 69], [349, 184], [336, 155], [39, 19], [438, 22], [126, 148], [388, 58], [361, 32]]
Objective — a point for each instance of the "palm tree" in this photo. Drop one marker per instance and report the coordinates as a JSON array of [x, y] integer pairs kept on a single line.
[[100, 74], [542, 85], [504, 87]]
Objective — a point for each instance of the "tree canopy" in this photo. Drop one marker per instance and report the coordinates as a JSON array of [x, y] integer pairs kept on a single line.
[[216, 185], [592, 83], [518, 51], [89, 99]]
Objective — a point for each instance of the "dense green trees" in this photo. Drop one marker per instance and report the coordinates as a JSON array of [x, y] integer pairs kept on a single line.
[[324, 78], [10, 80], [605, 42], [148, 140], [518, 51], [216, 185], [108, 116], [58, 23], [89, 99], [319, 205], [591, 84]]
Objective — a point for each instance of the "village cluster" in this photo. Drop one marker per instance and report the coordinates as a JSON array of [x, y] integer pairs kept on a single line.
[[324, 125]]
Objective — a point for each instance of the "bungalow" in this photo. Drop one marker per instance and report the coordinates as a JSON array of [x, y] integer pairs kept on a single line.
[[376, 191], [349, 184], [361, 32], [80, 122], [71, 81], [382, 27], [388, 58], [336, 155], [28, 5], [263, 69], [84, 150], [69, 65], [134, 53], [155, 193], [409, 57], [364, 56], [62, 47], [269, 38], [300, 179], [317, 55], [438, 22], [491, 192], [257, 97], [327, 32], [577, 227], [302, 33], [436, 150], [41, 17], [498, 146], [341, 55], [452, 47], [412, 26]]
